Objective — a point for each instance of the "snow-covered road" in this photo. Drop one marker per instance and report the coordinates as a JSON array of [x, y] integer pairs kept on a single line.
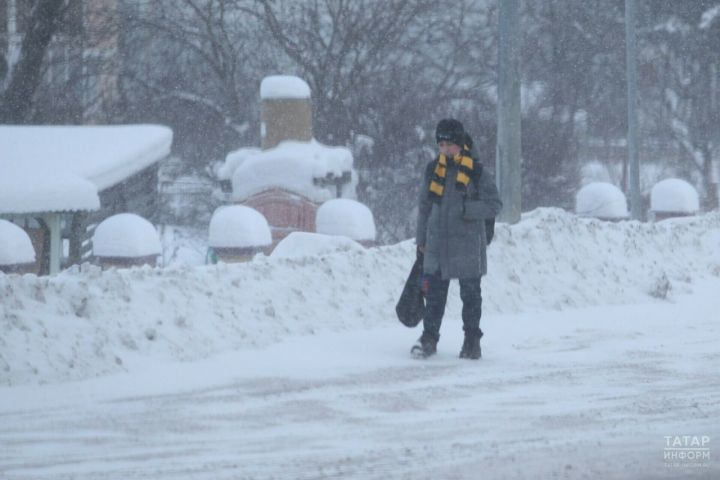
[[587, 393]]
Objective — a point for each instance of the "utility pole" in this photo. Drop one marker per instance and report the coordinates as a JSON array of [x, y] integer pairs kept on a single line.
[[508, 169], [631, 75]]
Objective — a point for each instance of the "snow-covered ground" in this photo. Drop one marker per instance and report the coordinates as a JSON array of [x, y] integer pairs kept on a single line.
[[600, 347]]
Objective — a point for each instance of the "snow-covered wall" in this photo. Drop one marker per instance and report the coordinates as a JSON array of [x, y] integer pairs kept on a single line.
[[85, 323]]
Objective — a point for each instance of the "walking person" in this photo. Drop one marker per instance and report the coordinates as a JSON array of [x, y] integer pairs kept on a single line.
[[457, 199]]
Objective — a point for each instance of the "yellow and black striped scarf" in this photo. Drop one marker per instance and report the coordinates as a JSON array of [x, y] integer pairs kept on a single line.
[[465, 169]]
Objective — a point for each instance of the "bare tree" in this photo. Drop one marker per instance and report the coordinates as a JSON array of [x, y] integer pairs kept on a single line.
[[25, 76], [682, 48]]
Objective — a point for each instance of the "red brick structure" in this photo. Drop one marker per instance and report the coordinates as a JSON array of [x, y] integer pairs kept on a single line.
[[285, 212]]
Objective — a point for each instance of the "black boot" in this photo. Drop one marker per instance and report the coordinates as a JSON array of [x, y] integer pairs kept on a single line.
[[426, 346], [471, 345]]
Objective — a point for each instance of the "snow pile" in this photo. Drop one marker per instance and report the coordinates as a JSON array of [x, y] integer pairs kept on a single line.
[[345, 217], [233, 160], [305, 244], [284, 86], [601, 200], [238, 226], [87, 322], [293, 166], [126, 235], [673, 195], [15, 245]]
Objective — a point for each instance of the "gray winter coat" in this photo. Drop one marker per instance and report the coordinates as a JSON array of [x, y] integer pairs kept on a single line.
[[452, 230]]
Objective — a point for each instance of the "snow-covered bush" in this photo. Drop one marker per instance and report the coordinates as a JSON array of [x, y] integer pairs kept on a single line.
[[126, 236], [238, 226], [15, 246], [601, 200], [675, 196], [345, 217]]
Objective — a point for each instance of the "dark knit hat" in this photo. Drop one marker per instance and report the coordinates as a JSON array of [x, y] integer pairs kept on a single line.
[[450, 130]]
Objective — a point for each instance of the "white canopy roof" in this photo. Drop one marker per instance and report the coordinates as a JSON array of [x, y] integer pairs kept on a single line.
[[59, 168]]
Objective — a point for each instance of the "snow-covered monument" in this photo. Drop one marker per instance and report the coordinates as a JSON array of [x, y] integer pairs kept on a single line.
[[293, 174], [673, 197]]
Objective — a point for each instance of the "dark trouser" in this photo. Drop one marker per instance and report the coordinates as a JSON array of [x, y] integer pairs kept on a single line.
[[436, 291]]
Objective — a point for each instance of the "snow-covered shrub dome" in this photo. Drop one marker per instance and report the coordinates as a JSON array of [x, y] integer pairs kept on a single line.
[[15, 245], [284, 86], [345, 217], [601, 200], [126, 235], [673, 195], [306, 244], [238, 226]]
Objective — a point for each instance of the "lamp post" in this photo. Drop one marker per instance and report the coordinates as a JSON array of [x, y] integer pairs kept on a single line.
[[508, 171], [631, 80]]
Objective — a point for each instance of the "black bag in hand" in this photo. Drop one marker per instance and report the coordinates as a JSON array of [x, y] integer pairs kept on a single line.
[[411, 306]]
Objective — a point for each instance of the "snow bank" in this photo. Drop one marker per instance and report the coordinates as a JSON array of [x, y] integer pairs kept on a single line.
[[675, 196], [238, 226], [345, 217], [15, 245], [86, 322], [284, 86], [126, 235], [306, 244], [601, 200]]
